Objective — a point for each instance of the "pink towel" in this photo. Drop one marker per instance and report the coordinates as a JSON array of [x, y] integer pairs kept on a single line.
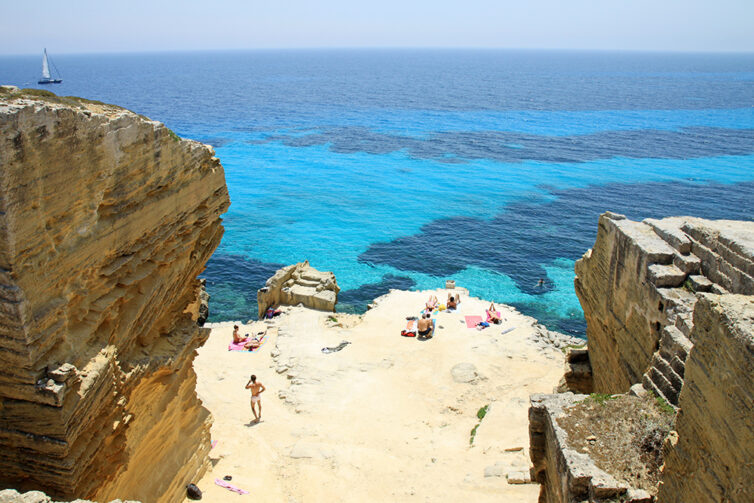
[[230, 487], [233, 346], [473, 321]]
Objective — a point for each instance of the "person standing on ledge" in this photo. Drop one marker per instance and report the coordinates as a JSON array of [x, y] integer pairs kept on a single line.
[[256, 389]]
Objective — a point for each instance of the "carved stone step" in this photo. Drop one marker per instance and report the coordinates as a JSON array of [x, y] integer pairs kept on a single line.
[[662, 366], [663, 384], [675, 343], [678, 365], [700, 284], [650, 386], [685, 325], [665, 275], [690, 264]]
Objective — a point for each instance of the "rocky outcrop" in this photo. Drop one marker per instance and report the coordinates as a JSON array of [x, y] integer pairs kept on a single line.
[[13, 496], [638, 287], [106, 219], [299, 284], [710, 458], [566, 474]]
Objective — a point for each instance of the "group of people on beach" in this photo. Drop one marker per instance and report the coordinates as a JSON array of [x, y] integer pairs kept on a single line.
[[249, 343], [426, 325]]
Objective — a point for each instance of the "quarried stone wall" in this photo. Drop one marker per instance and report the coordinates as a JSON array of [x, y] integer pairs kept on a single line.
[[712, 456], [638, 287]]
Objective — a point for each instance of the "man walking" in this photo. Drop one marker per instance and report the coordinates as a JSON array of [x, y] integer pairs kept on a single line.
[[256, 389]]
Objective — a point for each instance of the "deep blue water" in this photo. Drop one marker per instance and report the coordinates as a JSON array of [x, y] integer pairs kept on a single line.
[[400, 169]]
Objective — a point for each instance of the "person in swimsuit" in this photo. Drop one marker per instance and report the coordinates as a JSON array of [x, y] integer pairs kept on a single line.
[[256, 390], [237, 339], [492, 316], [425, 326], [453, 301], [253, 343], [432, 303]]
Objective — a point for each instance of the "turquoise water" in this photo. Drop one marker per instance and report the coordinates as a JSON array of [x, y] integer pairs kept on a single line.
[[401, 169]]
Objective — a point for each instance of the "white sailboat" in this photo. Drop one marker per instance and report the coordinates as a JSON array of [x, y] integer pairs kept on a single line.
[[46, 77]]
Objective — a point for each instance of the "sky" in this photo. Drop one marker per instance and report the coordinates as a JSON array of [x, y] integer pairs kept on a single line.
[[95, 26]]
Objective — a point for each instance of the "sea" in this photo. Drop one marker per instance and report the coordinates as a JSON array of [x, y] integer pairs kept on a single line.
[[406, 168]]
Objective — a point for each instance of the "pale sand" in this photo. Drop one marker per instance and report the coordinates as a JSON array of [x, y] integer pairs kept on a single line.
[[381, 420]]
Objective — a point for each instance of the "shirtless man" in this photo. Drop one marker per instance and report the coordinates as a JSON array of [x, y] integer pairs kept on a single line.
[[425, 326], [256, 389], [453, 301]]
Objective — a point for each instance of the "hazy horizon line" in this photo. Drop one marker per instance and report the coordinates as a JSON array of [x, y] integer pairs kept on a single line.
[[389, 48]]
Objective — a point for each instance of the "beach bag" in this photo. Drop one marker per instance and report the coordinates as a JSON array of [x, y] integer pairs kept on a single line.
[[193, 492], [406, 333]]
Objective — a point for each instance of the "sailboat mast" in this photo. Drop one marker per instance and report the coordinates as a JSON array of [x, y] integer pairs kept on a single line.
[[45, 66]]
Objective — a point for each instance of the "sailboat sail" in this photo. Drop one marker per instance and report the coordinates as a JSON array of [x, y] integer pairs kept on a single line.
[[46, 77], [45, 66]]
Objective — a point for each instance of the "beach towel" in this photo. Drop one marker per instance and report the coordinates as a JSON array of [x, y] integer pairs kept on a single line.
[[511, 329], [411, 328], [239, 346], [473, 321], [230, 487]]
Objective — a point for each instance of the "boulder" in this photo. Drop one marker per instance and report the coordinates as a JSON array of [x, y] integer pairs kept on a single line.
[[299, 284]]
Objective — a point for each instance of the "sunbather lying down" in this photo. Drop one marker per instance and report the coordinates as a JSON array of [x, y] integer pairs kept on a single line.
[[453, 301], [253, 343], [432, 303], [493, 316]]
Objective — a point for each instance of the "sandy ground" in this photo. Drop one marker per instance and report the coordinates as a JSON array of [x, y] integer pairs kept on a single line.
[[385, 419]]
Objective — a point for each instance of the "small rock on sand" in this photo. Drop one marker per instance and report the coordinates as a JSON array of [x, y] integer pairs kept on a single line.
[[495, 470], [518, 477], [464, 373]]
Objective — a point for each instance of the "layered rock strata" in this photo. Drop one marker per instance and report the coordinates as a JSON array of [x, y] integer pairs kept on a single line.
[[106, 219], [710, 458], [638, 287], [299, 284]]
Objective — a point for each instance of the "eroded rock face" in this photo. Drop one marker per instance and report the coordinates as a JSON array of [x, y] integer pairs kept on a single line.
[[299, 284], [638, 287], [106, 219], [711, 457]]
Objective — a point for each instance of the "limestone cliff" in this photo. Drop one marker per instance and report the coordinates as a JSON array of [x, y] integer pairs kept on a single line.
[[710, 459], [637, 287], [299, 284], [106, 219]]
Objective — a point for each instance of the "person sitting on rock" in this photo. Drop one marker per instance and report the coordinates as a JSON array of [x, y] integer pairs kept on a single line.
[[432, 303], [453, 301], [237, 339], [426, 326], [492, 315]]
